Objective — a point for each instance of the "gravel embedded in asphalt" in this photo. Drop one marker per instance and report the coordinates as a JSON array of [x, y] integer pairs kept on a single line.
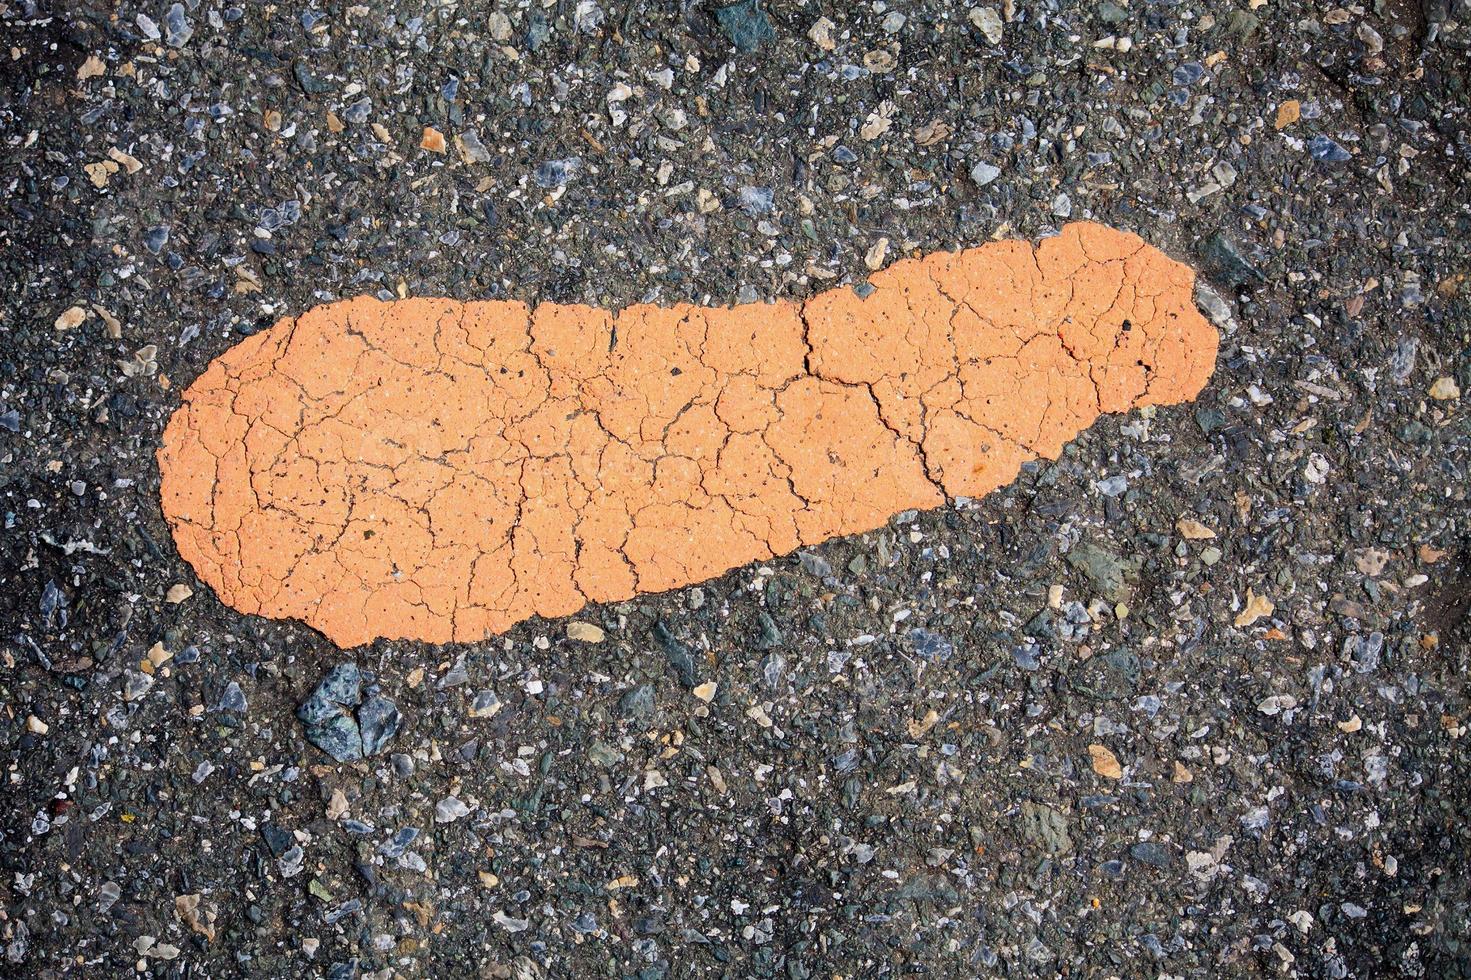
[[1189, 701]]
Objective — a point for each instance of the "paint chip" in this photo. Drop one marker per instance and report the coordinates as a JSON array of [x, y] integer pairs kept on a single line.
[[440, 470]]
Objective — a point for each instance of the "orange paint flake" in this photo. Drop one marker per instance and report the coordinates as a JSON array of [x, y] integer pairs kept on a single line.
[[440, 470]]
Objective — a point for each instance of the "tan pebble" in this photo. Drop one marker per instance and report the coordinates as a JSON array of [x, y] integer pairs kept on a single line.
[[1288, 113], [113, 324], [1430, 555], [127, 161], [1256, 607], [585, 632], [100, 173], [91, 68], [821, 34], [1192, 530], [1445, 389], [875, 257], [1105, 763]]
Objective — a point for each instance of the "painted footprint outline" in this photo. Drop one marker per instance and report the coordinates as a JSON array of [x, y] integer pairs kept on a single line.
[[440, 470]]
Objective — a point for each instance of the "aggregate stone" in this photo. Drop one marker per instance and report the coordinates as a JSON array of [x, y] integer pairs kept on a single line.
[[859, 808]]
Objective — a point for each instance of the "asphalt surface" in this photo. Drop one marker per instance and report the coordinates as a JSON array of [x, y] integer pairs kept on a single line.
[[1190, 701]]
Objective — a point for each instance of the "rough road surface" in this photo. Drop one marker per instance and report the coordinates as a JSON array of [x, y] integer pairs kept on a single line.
[[1189, 700], [437, 470]]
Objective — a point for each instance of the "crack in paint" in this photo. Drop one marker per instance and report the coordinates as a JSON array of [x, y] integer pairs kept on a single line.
[[374, 478]]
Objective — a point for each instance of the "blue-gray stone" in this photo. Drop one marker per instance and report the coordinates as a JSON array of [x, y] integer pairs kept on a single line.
[[310, 84], [757, 201], [177, 27], [359, 111], [340, 690], [1188, 73], [233, 699], [1151, 853], [396, 845], [342, 724], [637, 703], [338, 737], [745, 24], [379, 721], [557, 173], [984, 173], [1325, 149], [768, 636], [931, 646], [679, 655], [814, 564], [537, 31], [1225, 258]]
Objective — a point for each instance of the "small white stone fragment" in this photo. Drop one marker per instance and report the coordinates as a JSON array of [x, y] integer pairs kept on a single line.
[[1276, 704], [450, 809], [988, 21], [984, 173]]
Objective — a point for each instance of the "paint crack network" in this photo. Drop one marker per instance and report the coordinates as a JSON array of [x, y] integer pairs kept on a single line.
[[440, 470]]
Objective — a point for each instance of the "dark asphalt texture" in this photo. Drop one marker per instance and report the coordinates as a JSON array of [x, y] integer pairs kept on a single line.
[[1190, 701]]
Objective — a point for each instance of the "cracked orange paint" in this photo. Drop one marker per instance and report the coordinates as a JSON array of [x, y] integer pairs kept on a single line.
[[440, 470]]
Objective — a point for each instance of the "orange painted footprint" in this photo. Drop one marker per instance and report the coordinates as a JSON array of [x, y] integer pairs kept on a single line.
[[440, 470]]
